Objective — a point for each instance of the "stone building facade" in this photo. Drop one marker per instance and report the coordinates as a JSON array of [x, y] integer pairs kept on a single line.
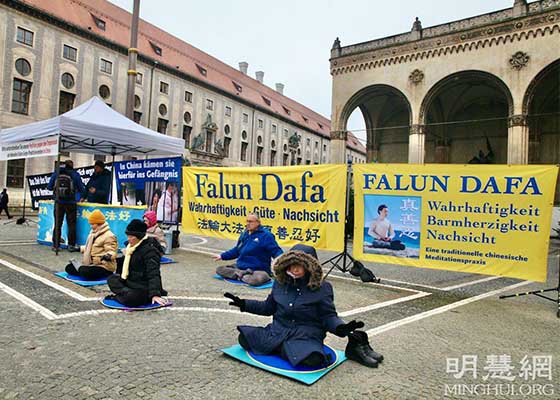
[[484, 88], [57, 54]]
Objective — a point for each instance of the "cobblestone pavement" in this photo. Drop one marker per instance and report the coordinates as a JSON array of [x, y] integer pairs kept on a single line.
[[58, 342]]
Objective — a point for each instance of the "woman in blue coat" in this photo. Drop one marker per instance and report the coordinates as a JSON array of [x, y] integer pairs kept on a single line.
[[302, 306]]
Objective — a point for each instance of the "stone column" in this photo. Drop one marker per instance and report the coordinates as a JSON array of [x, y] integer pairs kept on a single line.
[[416, 151], [338, 147], [518, 140]]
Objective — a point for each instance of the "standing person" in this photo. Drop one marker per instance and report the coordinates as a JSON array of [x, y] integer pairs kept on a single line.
[[168, 204], [99, 184], [67, 189], [139, 281], [4, 200], [254, 250], [100, 250]]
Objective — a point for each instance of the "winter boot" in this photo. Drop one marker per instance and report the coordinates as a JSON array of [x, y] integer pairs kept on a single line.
[[357, 351], [363, 338]]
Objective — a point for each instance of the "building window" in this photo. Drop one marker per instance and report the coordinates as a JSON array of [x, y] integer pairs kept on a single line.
[[244, 151], [156, 49], [324, 147], [227, 129], [286, 132], [139, 78], [209, 104], [202, 70], [227, 142], [162, 110], [245, 118], [260, 124], [267, 101], [286, 110], [188, 96], [67, 80], [164, 87], [137, 117], [209, 141], [23, 67], [162, 125], [316, 145], [285, 159], [259, 140], [98, 22], [137, 101], [308, 142], [274, 128], [15, 173], [305, 119], [187, 117], [187, 135], [259, 155], [237, 87], [65, 102], [24, 36], [106, 66], [285, 147], [70, 53], [244, 135], [20, 96], [228, 111], [104, 91], [307, 162], [273, 157], [299, 161], [273, 144]]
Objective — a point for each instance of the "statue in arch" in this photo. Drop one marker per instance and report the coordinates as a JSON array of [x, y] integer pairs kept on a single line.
[[482, 158]]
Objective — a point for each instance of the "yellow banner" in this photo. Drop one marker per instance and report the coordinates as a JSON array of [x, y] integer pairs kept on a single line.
[[298, 204], [485, 219]]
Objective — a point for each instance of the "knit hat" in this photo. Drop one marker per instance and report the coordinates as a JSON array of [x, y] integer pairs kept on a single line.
[[136, 228], [96, 217], [151, 216]]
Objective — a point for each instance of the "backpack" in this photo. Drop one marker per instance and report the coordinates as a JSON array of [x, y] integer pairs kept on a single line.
[[65, 187]]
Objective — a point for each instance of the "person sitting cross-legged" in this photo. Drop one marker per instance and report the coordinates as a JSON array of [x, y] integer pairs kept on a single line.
[[98, 261], [139, 281], [302, 306], [254, 250]]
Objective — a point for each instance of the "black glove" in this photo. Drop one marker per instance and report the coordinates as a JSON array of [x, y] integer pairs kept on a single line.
[[107, 257], [343, 330], [237, 302]]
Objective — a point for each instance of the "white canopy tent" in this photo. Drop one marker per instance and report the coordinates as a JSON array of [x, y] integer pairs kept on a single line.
[[95, 128]]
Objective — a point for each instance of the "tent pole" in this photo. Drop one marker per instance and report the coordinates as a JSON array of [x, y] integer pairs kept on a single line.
[[112, 177], [56, 209]]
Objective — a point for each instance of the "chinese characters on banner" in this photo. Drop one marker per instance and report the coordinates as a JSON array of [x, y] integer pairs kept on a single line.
[[474, 218], [298, 204]]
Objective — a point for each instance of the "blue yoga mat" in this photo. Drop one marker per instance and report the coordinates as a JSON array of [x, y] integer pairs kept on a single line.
[[278, 365], [167, 260], [266, 285], [110, 303], [78, 280]]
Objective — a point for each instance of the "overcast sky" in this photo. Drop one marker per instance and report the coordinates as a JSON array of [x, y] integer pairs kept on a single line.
[[291, 40]]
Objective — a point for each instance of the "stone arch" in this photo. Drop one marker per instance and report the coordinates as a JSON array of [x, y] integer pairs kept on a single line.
[[387, 115], [541, 108], [465, 118]]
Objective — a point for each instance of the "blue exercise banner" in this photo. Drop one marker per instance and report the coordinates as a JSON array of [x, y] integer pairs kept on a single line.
[[118, 217], [155, 183]]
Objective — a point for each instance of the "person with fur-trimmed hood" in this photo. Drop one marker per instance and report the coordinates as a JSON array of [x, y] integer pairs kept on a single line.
[[302, 306]]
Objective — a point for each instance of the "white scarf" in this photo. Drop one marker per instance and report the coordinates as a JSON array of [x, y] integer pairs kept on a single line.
[[128, 255]]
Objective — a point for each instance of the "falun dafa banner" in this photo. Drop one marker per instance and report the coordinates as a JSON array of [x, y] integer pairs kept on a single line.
[[485, 219], [298, 204]]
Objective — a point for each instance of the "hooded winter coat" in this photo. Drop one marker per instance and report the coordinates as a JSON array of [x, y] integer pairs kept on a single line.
[[143, 270], [303, 311], [254, 250]]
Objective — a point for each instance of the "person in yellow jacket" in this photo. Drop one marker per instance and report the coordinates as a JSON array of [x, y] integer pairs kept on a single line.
[[98, 261]]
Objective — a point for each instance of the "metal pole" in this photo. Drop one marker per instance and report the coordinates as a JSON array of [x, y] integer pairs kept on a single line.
[[132, 55], [56, 240]]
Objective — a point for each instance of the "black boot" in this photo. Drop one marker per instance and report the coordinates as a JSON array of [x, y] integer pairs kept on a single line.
[[357, 351], [363, 338]]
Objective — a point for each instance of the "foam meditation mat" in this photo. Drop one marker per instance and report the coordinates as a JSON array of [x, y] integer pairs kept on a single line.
[[167, 260], [78, 280], [277, 365], [266, 285], [110, 303]]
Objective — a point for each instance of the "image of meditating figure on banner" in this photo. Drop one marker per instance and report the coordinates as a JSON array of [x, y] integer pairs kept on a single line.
[[98, 261], [254, 251], [381, 235], [303, 310]]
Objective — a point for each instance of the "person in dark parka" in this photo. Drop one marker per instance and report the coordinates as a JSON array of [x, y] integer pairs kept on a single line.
[[99, 184], [139, 281], [302, 306]]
